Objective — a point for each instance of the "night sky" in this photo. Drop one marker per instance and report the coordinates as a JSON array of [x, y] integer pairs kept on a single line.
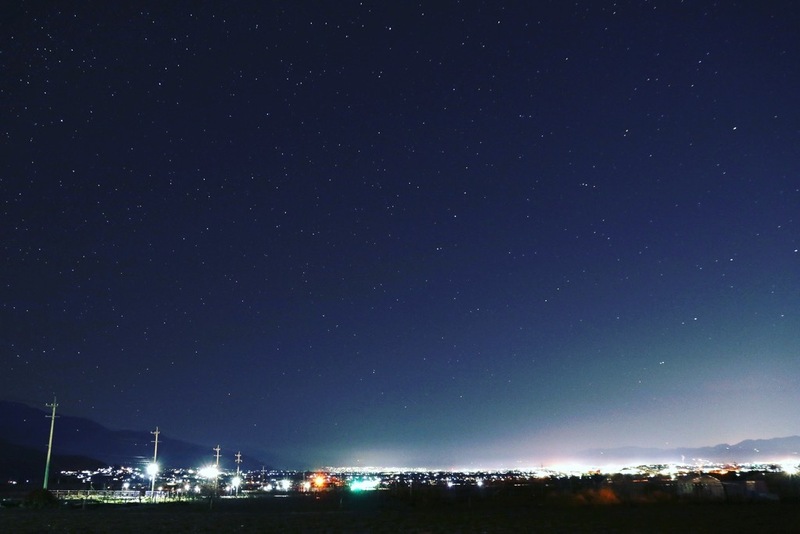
[[451, 234]]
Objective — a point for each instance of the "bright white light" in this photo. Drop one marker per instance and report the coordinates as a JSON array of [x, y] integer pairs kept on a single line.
[[790, 467], [152, 469], [670, 470], [209, 471], [479, 482], [284, 485], [236, 482], [268, 487]]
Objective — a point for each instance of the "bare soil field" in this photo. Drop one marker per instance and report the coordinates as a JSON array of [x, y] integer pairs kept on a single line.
[[372, 514]]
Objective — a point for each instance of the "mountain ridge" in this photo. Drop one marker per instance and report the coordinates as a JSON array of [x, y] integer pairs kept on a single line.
[[761, 450], [24, 464], [77, 437], [25, 426]]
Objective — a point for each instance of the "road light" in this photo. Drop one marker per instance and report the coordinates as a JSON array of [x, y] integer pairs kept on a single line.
[[209, 471], [152, 470]]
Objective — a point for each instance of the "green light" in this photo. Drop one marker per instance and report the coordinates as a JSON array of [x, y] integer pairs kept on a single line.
[[366, 484]]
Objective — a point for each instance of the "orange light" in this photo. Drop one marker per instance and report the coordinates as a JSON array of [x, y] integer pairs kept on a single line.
[[319, 481]]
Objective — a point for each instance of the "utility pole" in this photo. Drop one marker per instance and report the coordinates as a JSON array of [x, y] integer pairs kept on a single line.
[[238, 478], [154, 467], [50, 443], [216, 478]]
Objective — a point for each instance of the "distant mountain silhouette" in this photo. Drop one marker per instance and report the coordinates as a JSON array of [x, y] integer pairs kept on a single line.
[[747, 451], [25, 464], [24, 433], [29, 427]]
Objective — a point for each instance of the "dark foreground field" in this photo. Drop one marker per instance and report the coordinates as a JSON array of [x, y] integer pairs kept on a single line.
[[371, 513]]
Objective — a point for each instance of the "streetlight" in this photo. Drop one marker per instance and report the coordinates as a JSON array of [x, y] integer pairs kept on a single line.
[[152, 470], [210, 472]]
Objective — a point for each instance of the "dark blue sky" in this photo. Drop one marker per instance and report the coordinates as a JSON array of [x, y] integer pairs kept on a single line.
[[450, 234]]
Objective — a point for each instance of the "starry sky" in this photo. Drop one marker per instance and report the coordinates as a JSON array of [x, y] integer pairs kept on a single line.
[[404, 233]]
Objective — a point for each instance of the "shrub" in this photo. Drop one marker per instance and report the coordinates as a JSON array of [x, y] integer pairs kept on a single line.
[[40, 498]]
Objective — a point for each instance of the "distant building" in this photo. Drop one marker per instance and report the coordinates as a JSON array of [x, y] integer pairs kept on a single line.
[[702, 488], [749, 490]]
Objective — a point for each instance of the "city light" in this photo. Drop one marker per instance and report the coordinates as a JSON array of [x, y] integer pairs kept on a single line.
[[365, 484], [740, 481]]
